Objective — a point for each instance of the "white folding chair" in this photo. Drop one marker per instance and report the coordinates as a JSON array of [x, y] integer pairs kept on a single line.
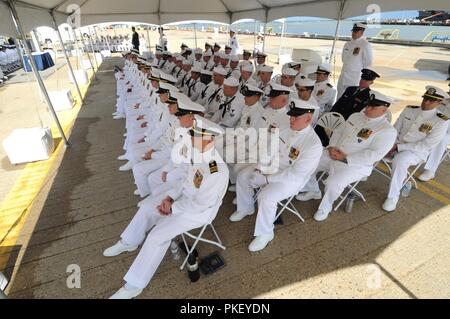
[[446, 155], [351, 188], [288, 206], [411, 171], [330, 121], [198, 238], [285, 205]]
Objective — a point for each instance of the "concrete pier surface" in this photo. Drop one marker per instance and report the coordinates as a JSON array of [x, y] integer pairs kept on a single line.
[[57, 216]]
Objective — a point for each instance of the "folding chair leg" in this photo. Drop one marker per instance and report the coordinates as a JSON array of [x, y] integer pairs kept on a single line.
[[289, 207], [411, 176], [352, 188], [217, 237], [200, 239], [189, 251]]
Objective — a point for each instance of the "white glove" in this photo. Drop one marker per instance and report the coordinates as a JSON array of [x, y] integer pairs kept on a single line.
[[258, 180]]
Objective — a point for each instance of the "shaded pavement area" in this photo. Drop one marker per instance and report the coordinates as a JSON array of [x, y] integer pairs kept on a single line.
[[86, 203]]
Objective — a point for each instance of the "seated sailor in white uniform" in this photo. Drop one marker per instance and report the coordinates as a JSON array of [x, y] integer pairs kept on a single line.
[[436, 155], [251, 119], [174, 171], [305, 88], [191, 205], [281, 175], [230, 108], [324, 92], [353, 151], [420, 129]]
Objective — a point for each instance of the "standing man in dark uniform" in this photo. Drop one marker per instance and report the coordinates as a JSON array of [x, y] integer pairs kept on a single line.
[[135, 40], [354, 100]]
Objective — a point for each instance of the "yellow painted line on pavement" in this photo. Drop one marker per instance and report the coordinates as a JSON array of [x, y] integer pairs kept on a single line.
[[20, 199], [440, 186], [421, 187]]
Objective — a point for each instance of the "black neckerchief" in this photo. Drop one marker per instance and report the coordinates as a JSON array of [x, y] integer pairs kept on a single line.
[[213, 95], [191, 86], [204, 91], [224, 106]]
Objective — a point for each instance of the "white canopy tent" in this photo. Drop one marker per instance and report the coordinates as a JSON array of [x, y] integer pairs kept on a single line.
[[18, 17]]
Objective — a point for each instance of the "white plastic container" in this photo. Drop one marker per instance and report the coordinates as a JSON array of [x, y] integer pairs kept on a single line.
[[61, 100], [80, 75], [29, 145]]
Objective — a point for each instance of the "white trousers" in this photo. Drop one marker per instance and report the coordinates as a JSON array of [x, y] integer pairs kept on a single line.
[[165, 228], [339, 177], [268, 200], [436, 155], [400, 164], [143, 169]]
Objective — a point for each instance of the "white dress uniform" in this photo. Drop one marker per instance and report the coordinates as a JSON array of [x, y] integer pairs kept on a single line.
[[296, 159], [193, 89], [196, 202], [266, 87], [161, 153], [325, 95], [176, 166], [419, 132], [365, 141], [356, 55], [250, 119], [434, 160], [229, 110], [438, 152], [235, 47], [213, 98]]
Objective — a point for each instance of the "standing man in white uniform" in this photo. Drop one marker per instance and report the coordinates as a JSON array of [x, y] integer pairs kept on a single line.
[[175, 212], [297, 156], [363, 141], [234, 43], [420, 129], [356, 55]]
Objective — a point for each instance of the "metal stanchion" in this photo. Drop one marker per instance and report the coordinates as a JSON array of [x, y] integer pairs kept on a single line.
[[67, 58]]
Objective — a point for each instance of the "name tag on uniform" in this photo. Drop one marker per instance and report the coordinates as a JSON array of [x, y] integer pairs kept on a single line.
[[294, 153], [198, 179], [365, 133], [356, 51], [426, 128]]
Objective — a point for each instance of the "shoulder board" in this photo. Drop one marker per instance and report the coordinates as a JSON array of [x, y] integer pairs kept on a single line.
[[329, 85], [442, 116], [213, 167], [413, 106]]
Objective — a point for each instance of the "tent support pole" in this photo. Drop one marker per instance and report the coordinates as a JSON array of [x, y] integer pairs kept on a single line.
[[283, 26], [265, 27], [92, 47], [85, 51], [67, 58], [107, 42], [195, 34], [19, 28], [254, 38], [148, 37], [336, 34]]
